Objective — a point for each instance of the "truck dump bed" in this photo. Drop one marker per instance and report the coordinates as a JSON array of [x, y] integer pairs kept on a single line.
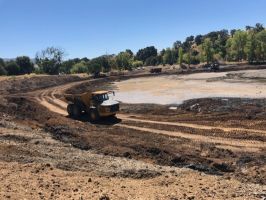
[[83, 97]]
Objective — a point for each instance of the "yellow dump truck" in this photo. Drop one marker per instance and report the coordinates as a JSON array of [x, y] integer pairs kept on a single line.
[[96, 104]]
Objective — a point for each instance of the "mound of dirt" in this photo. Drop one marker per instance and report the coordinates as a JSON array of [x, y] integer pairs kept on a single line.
[[30, 83]]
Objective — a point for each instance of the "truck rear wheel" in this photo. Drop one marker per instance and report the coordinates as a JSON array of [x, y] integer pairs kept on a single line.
[[70, 109], [76, 111], [94, 115]]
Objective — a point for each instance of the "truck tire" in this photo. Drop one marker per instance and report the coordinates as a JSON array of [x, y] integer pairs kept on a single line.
[[76, 111], [94, 115], [70, 109]]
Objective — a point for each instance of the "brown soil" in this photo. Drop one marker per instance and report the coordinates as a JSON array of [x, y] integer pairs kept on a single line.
[[147, 152]]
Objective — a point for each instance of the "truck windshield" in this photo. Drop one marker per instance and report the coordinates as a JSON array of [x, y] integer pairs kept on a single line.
[[102, 97]]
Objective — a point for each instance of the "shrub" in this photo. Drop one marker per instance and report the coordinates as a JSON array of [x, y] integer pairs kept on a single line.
[[137, 63], [12, 68], [25, 65], [80, 67], [2, 71]]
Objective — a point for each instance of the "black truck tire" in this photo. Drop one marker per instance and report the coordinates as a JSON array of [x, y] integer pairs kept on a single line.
[[70, 109], [94, 115], [76, 111]]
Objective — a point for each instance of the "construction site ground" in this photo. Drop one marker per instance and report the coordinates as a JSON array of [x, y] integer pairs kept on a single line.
[[198, 148]]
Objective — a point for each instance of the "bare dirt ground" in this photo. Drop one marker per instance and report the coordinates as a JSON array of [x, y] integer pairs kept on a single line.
[[174, 89], [210, 148]]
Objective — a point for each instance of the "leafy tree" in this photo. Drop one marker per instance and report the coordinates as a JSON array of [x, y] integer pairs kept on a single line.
[[177, 45], [258, 27], [151, 61], [248, 28], [187, 58], [250, 48], [188, 43], [66, 66], [261, 45], [130, 52], [94, 67], [50, 60], [208, 51], [232, 32], [145, 53], [137, 63], [81, 67], [2, 71], [238, 44], [2, 62], [123, 61], [103, 61], [85, 59], [12, 68], [199, 39], [180, 58], [2, 67], [25, 64], [169, 57]]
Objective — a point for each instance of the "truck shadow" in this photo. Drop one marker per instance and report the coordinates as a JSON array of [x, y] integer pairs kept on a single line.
[[103, 121]]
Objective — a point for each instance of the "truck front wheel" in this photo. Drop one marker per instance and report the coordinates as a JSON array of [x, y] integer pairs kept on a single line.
[[94, 115]]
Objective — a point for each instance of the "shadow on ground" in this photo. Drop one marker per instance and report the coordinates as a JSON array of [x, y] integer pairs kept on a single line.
[[110, 121]]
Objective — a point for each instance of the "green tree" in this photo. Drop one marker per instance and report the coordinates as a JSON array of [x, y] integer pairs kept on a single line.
[[180, 54], [145, 53], [2, 71], [25, 64], [67, 65], [2, 62], [50, 60], [151, 61], [81, 67], [250, 47], [258, 27], [187, 58], [261, 45], [2, 67], [239, 41], [130, 52], [94, 67], [123, 61], [137, 63], [207, 48], [169, 56], [12, 68], [177, 45]]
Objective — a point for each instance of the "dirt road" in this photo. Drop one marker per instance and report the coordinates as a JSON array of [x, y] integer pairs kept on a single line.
[[47, 98]]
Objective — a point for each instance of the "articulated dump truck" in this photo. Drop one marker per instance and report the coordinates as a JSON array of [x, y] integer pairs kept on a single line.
[[96, 104]]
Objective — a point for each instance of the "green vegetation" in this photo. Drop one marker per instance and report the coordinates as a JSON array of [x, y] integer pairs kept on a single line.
[[247, 45], [50, 60]]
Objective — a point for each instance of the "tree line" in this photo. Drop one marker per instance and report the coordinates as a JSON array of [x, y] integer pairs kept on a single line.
[[234, 46]]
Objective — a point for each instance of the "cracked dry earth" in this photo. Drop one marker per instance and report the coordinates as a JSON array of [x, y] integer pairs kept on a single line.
[[142, 155]]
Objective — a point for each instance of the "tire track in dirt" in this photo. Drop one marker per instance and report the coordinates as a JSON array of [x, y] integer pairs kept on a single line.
[[189, 125], [48, 99], [200, 138]]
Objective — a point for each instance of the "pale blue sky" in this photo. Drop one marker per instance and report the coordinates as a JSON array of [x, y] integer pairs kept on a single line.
[[94, 27]]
